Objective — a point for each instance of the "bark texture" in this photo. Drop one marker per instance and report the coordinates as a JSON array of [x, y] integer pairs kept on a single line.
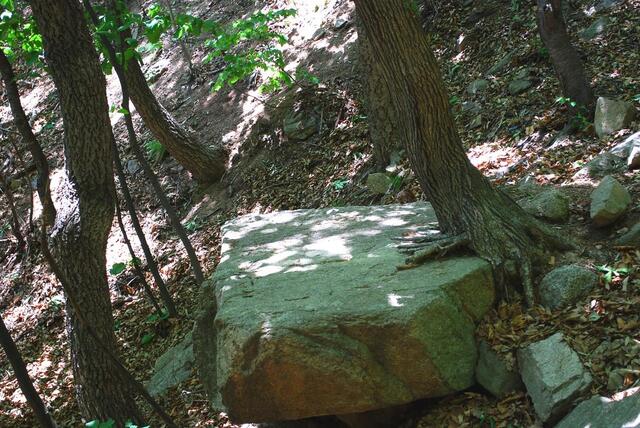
[[382, 123], [79, 236], [22, 376], [22, 123], [565, 58], [464, 201]]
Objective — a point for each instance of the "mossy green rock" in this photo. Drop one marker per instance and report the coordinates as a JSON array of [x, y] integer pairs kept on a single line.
[[307, 315]]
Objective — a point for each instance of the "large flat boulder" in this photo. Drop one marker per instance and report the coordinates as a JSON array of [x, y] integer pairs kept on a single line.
[[307, 315]]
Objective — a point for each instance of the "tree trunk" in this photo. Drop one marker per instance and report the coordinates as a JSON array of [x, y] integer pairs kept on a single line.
[[24, 381], [84, 219], [464, 201], [22, 123], [382, 123], [5, 187], [206, 163], [565, 58]]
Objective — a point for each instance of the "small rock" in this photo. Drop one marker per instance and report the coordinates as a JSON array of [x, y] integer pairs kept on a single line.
[[298, 128], [612, 115], [133, 166], [319, 33], [601, 412], [493, 373], [550, 205], [476, 122], [609, 201], [633, 161], [172, 368], [597, 28], [565, 285], [624, 148], [519, 86], [631, 238], [615, 381], [471, 107], [378, 183], [477, 86], [497, 67], [528, 182], [553, 375], [340, 24], [605, 164]]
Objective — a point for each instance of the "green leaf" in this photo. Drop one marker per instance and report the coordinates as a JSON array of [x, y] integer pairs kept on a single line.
[[147, 338], [117, 268]]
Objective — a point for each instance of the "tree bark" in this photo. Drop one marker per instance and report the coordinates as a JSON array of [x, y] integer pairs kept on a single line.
[[22, 123], [15, 219], [24, 381], [564, 56], [464, 201], [382, 123], [206, 163], [79, 236]]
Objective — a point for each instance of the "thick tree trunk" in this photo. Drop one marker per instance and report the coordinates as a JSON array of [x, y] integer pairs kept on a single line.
[[22, 123], [84, 219], [24, 381], [565, 58], [464, 201], [382, 123]]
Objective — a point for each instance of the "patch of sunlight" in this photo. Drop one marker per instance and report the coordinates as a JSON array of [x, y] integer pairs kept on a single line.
[[253, 223], [330, 246], [632, 424], [306, 268], [394, 300], [393, 222], [373, 218], [284, 244], [270, 230], [267, 270], [265, 328]]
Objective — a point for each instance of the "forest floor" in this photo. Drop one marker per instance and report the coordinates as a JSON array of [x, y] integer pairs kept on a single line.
[[509, 137]]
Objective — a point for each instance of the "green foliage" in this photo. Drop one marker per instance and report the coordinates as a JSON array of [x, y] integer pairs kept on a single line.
[[193, 225], [610, 273], [155, 150], [110, 424], [579, 119], [340, 184], [117, 268], [19, 34], [156, 317], [147, 339]]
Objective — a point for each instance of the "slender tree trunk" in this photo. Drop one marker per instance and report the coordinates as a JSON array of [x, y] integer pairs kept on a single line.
[[205, 162], [186, 52], [464, 201], [382, 123], [22, 123], [24, 381], [565, 58], [15, 219], [84, 219], [151, 263]]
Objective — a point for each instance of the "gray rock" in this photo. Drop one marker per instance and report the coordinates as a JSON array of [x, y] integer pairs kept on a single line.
[[597, 28], [565, 285], [633, 161], [297, 127], [172, 368], [471, 107], [518, 86], [476, 122], [497, 67], [477, 86], [624, 148], [601, 412], [553, 375], [494, 374], [602, 5], [609, 201], [631, 238], [605, 164], [340, 24], [307, 315], [612, 116], [550, 205], [319, 33], [378, 183], [528, 183], [133, 166]]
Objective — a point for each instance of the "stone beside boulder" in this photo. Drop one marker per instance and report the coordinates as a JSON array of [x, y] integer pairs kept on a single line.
[[493, 373], [553, 375], [609, 201], [549, 205], [612, 116], [601, 412], [378, 183], [172, 368], [631, 238], [307, 315], [605, 164], [624, 148], [519, 86], [565, 285]]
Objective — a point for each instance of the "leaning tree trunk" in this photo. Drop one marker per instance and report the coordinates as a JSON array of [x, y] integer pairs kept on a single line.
[[84, 219], [22, 123], [565, 58], [24, 381], [464, 201], [205, 162], [382, 123]]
